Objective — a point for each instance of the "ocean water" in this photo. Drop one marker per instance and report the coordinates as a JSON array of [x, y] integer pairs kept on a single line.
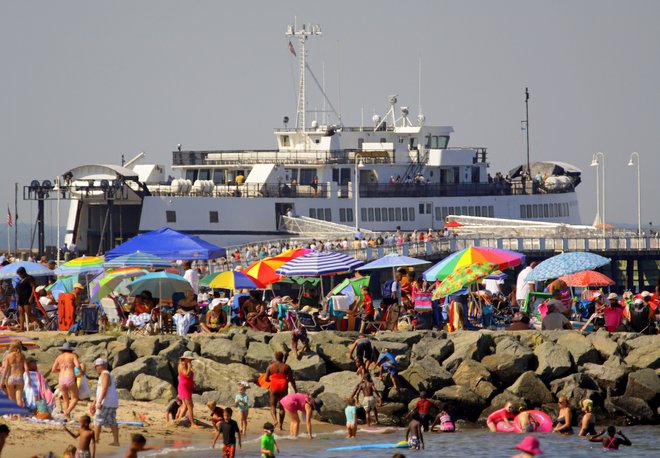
[[463, 443]]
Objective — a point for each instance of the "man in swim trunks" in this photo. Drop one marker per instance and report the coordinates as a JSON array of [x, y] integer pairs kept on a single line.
[[279, 375], [505, 415], [611, 441], [106, 403], [371, 398], [363, 351]]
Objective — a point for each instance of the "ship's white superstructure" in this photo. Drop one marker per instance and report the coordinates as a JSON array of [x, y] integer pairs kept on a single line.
[[405, 173]]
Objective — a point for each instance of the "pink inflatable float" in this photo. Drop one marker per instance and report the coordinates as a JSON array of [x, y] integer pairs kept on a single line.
[[540, 421]]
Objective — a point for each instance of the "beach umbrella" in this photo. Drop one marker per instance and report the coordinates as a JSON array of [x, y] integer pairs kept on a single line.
[[587, 278], [106, 282], [350, 286], [319, 263], [496, 275], [165, 283], [566, 263], [7, 339], [451, 224], [138, 259], [231, 279], [63, 284], [264, 271], [293, 253], [9, 407], [468, 256], [393, 260], [32, 268], [462, 276], [85, 265]]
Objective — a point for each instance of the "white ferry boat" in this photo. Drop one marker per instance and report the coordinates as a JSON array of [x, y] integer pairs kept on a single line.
[[395, 172]]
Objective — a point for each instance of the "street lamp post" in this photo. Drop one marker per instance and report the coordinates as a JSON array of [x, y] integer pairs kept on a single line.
[[631, 163], [595, 163], [356, 189]]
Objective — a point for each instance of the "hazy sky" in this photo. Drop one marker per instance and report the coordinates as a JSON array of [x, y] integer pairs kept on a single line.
[[86, 81]]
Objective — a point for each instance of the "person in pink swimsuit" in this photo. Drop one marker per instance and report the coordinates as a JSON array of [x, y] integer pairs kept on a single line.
[[65, 365], [300, 402], [186, 385]]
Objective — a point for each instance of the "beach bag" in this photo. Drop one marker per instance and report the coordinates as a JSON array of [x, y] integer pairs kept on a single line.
[[84, 390], [423, 301], [43, 411]]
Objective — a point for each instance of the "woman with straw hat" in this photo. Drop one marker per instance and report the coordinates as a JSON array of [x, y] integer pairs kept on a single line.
[[65, 365], [186, 385]]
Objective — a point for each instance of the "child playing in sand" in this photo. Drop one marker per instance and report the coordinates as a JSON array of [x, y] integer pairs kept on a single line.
[[85, 436], [242, 404], [70, 451], [138, 444], [268, 442], [351, 413], [217, 413], [172, 410]]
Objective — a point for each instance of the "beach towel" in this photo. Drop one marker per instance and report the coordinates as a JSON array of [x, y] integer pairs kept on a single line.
[[183, 322], [423, 301], [35, 389], [341, 303]]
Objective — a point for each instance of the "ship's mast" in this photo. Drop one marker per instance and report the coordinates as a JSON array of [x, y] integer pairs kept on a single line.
[[302, 35]]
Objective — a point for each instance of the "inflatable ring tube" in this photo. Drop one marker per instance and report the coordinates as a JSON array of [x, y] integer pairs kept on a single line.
[[502, 427], [542, 419]]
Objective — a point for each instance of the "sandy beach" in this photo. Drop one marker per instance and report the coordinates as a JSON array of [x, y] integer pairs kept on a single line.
[[28, 439]]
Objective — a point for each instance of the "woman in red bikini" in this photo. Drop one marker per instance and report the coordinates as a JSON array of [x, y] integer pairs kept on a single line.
[[279, 374]]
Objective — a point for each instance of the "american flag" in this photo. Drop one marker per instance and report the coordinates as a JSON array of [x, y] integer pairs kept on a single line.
[[292, 50], [10, 221]]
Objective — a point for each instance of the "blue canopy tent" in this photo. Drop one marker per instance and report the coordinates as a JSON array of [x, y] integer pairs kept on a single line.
[[168, 244]]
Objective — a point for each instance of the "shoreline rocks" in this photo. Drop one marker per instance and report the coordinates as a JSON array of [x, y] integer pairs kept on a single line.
[[473, 372]]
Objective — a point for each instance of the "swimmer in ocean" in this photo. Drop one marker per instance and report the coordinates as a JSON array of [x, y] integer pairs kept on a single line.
[[612, 440]]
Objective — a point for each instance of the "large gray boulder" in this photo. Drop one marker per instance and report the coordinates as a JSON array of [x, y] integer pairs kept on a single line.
[[333, 408], [307, 367], [156, 366], [258, 336], [510, 361], [634, 409], [407, 337], [396, 348], [438, 349], [607, 377], [468, 345], [259, 356], [150, 388], [309, 387], [211, 375], [173, 350], [462, 401], [576, 387], [281, 342], [644, 357], [554, 361], [475, 376], [644, 384], [119, 353], [223, 351], [603, 343], [580, 348], [530, 388], [143, 346], [340, 383], [391, 413], [426, 374], [336, 356], [642, 341]]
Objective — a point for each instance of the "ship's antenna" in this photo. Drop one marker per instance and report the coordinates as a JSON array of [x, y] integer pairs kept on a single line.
[[420, 117], [302, 35]]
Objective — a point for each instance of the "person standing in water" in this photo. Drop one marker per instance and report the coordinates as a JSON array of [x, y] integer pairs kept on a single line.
[[65, 364], [279, 375], [611, 441]]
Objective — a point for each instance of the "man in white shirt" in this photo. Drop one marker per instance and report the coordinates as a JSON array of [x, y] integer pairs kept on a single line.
[[523, 286], [191, 275], [493, 285]]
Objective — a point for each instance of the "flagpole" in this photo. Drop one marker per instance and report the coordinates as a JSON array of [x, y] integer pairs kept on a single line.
[[8, 234], [16, 218]]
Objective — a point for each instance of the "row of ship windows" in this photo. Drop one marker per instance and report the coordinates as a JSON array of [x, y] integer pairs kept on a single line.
[[170, 216], [485, 210], [558, 210]]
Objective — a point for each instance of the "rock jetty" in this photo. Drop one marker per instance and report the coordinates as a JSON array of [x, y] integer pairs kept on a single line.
[[474, 372]]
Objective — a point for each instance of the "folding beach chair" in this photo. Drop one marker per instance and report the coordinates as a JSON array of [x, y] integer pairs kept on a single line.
[[307, 321], [112, 311], [49, 320]]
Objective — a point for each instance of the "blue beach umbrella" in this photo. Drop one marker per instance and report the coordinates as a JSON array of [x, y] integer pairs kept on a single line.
[[566, 264], [138, 259], [393, 260], [164, 284], [9, 407], [319, 263], [32, 268]]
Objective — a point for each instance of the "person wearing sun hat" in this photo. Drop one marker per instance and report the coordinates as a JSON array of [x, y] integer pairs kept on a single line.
[[65, 364], [529, 446], [186, 385], [613, 312]]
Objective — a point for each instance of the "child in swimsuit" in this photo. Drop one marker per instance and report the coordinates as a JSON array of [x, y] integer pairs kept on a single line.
[[242, 404], [611, 441], [351, 413], [86, 444], [414, 434]]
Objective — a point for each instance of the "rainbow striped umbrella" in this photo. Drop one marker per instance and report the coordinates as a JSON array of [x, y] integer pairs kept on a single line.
[[463, 276], [106, 282], [85, 265], [503, 259], [7, 339]]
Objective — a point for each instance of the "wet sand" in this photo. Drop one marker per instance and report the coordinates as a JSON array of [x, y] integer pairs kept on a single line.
[[29, 439]]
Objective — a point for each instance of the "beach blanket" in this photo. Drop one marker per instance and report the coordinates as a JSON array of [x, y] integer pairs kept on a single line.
[[139, 320]]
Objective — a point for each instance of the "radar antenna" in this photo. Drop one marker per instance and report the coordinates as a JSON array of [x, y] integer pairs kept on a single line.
[[302, 35]]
